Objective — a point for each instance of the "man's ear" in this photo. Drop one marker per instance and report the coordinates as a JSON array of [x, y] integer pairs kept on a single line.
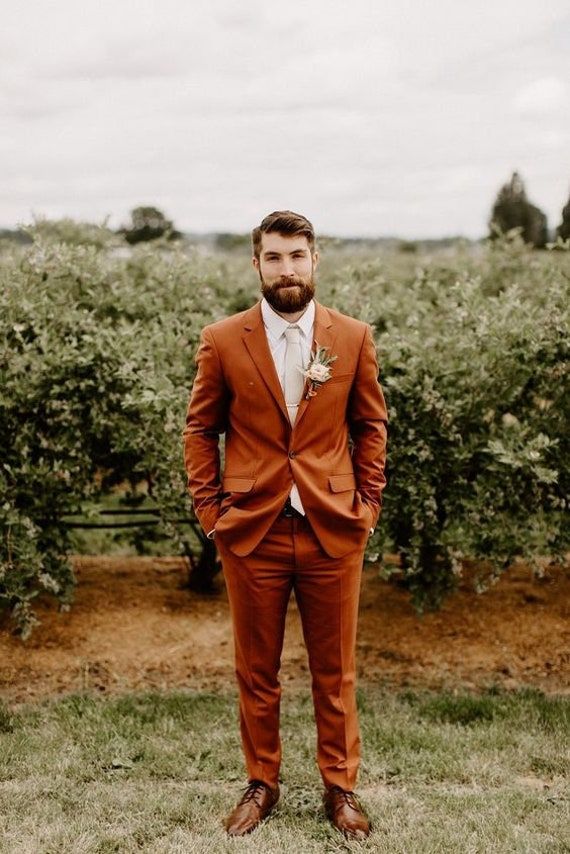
[[316, 258], [255, 262]]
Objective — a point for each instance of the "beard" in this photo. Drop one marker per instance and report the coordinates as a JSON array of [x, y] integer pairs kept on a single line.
[[288, 295]]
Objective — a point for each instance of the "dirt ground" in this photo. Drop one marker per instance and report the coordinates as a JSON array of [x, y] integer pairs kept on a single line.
[[134, 627]]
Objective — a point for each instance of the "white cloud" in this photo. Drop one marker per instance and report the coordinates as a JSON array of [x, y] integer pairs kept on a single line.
[[371, 117], [543, 96]]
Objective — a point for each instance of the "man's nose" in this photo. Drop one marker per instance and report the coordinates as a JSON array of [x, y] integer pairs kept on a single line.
[[287, 270]]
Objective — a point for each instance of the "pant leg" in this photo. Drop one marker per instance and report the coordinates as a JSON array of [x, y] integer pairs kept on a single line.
[[259, 588], [327, 591]]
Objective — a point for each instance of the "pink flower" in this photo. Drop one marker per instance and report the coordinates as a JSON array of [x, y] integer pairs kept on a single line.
[[318, 373]]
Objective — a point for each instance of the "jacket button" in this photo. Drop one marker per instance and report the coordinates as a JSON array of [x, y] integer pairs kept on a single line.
[[291, 455]]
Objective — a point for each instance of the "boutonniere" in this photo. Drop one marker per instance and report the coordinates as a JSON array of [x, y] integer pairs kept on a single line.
[[318, 371]]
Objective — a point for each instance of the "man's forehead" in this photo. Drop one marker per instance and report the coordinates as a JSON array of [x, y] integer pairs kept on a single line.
[[284, 243]]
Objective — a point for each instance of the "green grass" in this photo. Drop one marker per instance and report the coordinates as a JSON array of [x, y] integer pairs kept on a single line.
[[157, 773]]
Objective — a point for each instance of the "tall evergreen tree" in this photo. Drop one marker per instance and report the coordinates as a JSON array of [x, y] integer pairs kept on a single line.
[[512, 209], [563, 229]]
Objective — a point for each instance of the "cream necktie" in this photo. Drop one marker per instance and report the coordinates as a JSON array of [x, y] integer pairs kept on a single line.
[[293, 389], [294, 380]]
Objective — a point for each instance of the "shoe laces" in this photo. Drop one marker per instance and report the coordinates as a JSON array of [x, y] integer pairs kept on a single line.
[[349, 798], [253, 789]]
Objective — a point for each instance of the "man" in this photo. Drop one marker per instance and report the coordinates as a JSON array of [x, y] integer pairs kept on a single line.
[[294, 387]]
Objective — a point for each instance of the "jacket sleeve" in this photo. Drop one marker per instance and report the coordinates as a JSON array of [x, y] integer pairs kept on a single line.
[[367, 422], [206, 419]]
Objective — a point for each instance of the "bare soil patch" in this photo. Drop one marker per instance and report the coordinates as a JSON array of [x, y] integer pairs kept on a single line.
[[133, 627]]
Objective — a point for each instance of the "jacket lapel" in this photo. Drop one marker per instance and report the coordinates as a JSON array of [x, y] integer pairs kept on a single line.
[[255, 339], [324, 335]]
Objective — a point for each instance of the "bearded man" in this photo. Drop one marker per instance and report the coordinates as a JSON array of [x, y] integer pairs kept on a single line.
[[294, 387]]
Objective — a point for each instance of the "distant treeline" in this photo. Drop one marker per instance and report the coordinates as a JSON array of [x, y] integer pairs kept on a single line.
[[512, 212]]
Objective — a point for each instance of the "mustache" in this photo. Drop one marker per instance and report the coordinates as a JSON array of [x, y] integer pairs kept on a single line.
[[288, 283]]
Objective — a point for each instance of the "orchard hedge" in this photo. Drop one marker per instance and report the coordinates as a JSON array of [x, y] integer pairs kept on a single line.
[[97, 361]]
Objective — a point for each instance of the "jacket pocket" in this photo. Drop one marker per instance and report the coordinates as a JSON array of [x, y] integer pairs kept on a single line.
[[237, 484], [340, 378], [342, 482]]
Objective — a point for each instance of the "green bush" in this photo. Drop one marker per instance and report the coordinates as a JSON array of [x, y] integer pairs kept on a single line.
[[95, 372], [98, 360], [478, 398]]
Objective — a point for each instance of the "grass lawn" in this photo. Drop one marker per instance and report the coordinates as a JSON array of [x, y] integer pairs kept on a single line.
[[157, 773]]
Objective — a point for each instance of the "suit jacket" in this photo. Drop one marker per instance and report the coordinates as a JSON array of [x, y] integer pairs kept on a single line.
[[335, 452]]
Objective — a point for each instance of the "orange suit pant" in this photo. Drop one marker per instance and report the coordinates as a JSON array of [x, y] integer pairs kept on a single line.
[[327, 592]]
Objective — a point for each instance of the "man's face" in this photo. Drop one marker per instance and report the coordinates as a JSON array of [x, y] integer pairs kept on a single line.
[[286, 267]]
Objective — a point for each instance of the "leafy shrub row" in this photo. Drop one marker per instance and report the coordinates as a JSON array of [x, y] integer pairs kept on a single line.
[[97, 362]]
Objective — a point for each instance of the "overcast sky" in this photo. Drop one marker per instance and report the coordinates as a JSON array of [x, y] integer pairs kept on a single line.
[[371, 117]]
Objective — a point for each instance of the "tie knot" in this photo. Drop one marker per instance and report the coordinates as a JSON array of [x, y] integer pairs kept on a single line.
[[293, 334]]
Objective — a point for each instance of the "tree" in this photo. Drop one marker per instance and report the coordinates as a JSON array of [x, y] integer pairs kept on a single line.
[[563, 230], [149, 223], [512, 209]]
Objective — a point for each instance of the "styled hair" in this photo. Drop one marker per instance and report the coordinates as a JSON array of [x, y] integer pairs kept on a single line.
[[283, 222]]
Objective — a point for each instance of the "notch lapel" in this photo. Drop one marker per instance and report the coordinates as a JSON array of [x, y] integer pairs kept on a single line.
[[324, 335], [255, 339]]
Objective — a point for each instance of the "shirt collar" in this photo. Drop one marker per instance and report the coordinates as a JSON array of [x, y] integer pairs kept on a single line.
[[276, 325]]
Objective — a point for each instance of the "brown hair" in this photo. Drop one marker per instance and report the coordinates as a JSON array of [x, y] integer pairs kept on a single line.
[[283, 222]]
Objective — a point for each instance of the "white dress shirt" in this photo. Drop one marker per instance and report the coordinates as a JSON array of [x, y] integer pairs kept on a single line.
[[275, 327]]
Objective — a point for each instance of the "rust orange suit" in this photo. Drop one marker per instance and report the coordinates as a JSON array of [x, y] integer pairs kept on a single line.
[[335, 453]]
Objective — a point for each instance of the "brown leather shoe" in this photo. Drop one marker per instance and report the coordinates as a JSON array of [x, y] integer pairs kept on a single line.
[[256, 803], [346, 814]]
